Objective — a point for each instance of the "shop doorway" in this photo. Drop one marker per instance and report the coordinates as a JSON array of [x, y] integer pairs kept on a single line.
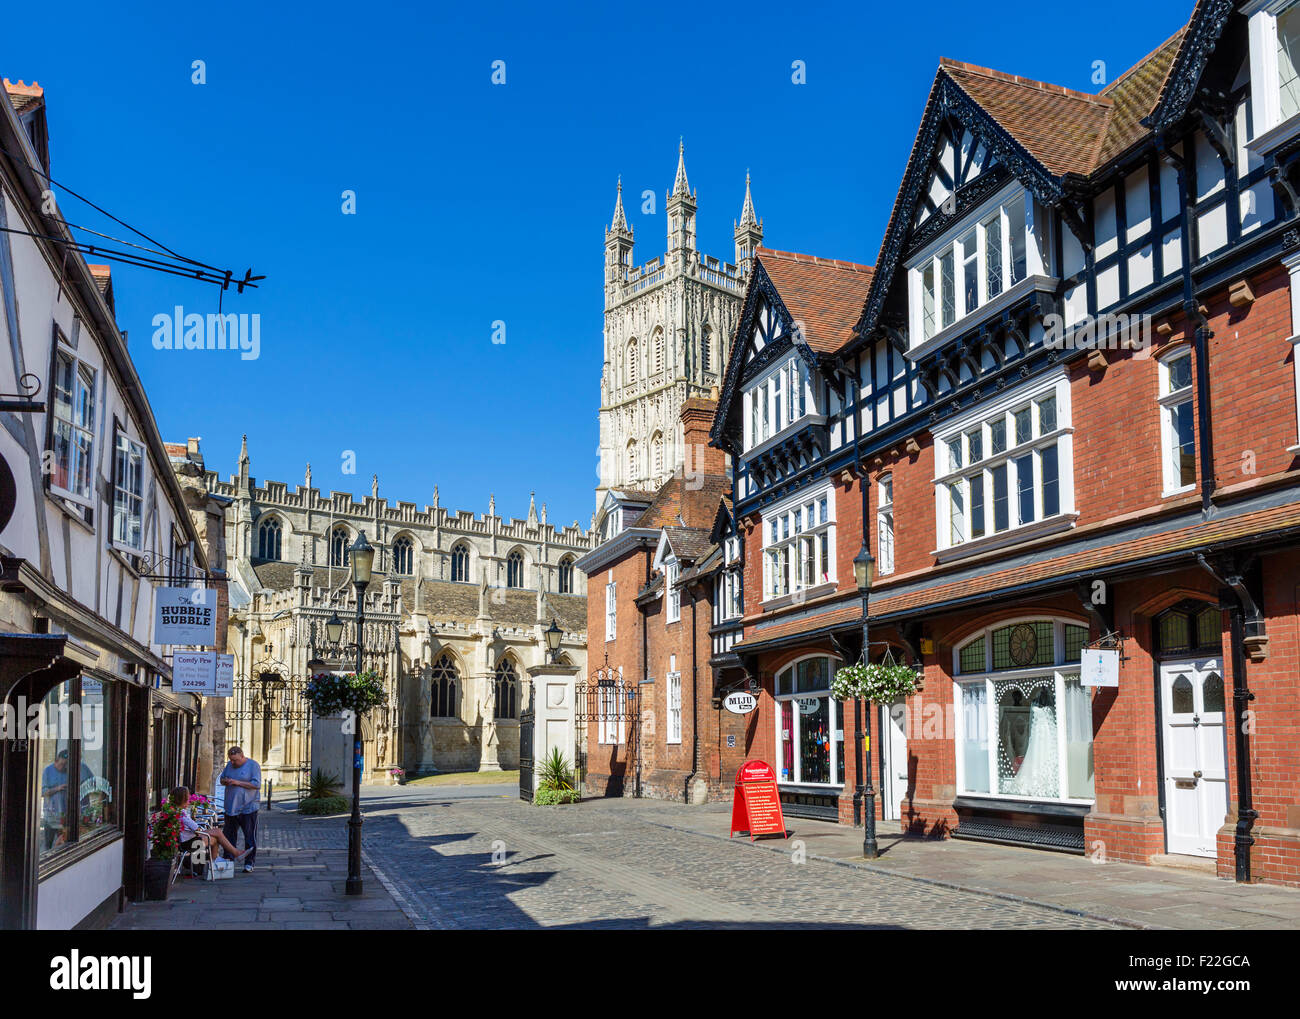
[[1195, 753], [893, 751]]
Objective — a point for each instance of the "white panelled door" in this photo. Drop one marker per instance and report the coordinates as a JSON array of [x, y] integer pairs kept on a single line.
[[893, 783], [1193, 700]]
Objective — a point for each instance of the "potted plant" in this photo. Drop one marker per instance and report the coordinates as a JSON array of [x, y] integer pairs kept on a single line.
[[398, 775], [164, 845]]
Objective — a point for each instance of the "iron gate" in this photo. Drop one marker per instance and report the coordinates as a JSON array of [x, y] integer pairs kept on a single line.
[[269, 707], [527, 721], [608, 714]]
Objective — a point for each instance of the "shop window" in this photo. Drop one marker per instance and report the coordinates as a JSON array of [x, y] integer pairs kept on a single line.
[[1026, 723], [79, 754], [809, 724]]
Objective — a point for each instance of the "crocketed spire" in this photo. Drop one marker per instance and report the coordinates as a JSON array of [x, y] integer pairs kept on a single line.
[[680, 184], [620, 220]]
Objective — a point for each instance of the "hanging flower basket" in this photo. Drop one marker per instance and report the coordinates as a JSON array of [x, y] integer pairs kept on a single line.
[[876, 682], [357, 692]]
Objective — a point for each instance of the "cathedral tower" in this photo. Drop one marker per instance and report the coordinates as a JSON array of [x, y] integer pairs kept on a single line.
[[668, 329]]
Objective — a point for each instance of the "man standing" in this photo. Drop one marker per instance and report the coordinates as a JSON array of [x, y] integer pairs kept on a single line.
[[242, 779]]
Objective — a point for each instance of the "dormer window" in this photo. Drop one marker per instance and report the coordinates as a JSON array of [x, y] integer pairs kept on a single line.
[[1274, 30], [957, 277], [777, 401]]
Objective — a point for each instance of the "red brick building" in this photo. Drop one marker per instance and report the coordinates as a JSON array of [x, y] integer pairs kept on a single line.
[[1069, 389], [663, 611]]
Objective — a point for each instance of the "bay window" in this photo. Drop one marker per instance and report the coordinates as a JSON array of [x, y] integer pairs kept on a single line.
[[957, 278], [798, 545], [1178, 438], [809, 724], [1025, 726], [1005, 467], [73, 428]]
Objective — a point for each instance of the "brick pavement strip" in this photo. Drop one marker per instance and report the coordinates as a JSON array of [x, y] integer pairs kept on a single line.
[[493, 862]]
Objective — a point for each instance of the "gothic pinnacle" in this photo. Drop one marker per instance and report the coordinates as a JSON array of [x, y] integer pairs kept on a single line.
[[747, 217], [620, 219], [680, 185]]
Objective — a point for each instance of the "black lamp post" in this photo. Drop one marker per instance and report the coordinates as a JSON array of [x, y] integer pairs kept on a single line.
[[361, 556], [553, 637], [863, 569]]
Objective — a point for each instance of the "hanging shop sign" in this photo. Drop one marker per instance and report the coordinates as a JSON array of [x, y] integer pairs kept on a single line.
[[1099, 667], [186, 615], [225, 680], [741, 702], [756, 807], [194, 672]]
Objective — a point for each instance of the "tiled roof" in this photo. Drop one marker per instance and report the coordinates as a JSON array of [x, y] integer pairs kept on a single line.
[[824, 294], [22, 95], [992, 584], [1065, 130], [1133, 96], [692, 497], [1059, 127], [688, 543]]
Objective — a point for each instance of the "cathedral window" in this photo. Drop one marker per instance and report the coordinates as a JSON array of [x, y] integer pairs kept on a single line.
[[460, 564], [631, 460], [657, 455], [566, 575], [515, 569], [631, 363], [507, 690], [443, 701], [404, 556], [706, 348], [339, 546], [268, 539], [659, 351]]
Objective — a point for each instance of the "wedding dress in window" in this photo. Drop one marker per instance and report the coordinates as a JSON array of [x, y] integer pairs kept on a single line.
[[1039, 772]]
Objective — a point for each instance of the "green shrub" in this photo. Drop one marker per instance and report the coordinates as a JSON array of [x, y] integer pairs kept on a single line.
[[317, 805], [323, 785], [555, 772], [547, 796]]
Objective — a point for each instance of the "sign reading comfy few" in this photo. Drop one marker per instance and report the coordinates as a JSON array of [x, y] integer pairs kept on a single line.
[[756, 808]]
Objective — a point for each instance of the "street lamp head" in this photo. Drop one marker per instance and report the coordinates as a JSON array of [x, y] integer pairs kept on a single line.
[[864, 566], [553, 637], [334, 628], [362, 557]]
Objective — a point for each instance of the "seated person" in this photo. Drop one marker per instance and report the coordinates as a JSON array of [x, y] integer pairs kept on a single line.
[[191, 833]]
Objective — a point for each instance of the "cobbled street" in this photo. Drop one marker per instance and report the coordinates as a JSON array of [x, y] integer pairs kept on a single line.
[[482, 859]]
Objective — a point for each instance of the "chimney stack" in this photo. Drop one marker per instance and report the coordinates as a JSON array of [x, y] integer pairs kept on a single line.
[[698, 456]]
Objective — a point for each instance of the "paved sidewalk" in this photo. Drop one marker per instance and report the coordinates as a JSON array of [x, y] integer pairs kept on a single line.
[[297, 884], [1127, 894]]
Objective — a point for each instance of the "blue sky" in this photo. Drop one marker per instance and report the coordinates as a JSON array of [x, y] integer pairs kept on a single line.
[[477, 202]]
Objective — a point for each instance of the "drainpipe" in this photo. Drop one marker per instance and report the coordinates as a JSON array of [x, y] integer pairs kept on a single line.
[[1201, 336], [695, 698], [1243, 606]]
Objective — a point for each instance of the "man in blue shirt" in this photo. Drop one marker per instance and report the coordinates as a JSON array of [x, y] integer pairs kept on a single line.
[[54, 795], [242, 780]]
